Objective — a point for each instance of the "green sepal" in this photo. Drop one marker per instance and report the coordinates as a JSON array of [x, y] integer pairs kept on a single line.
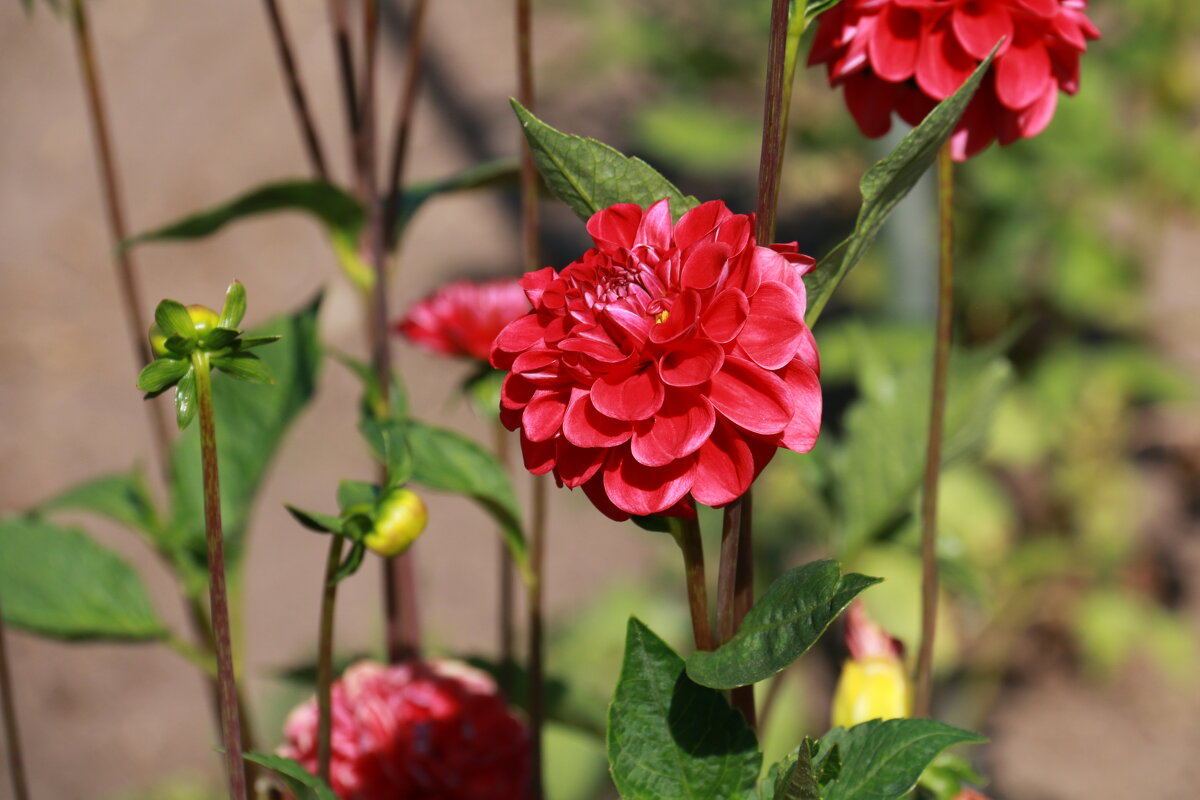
[[161, 374], [299, 781], [351, 562], [244, 367], [321, 523], [652, 523], [351, 494], [185, 398], [173, 318], [218, 339], [234, 309], [358, 522], [248, 342], [180, 346]]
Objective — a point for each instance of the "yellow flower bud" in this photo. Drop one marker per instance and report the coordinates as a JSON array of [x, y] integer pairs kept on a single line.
[[875, 687], [204, 319], [399, 521], [158, 341]]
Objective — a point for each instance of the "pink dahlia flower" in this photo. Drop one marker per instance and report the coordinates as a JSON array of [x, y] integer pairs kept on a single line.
[[907, 55], [666, 365], [433, 730], [462, 318]]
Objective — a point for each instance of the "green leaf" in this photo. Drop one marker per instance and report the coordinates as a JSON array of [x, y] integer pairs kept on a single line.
[[234, 309], [783, 624], [321, 523], [798, 780], [180, 346], [479, 176], [815, 8], [299, 781], [589, 176], [218, 339], [884, 185], [878, 467], [831, 765], [186, 400], [124, 499], [251, 422], [247, 342], [161, 374], [173, 318], [450, 462], [245, 367], [351, 562], [670, 738], [59, 582], [356, 493], [883, 760], [336, 209]]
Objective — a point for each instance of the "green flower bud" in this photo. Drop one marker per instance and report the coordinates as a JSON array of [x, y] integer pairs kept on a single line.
[[158, 341], [399, 521], [204, 319]]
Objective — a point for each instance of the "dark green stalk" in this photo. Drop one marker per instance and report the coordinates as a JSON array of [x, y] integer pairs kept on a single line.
[[325, 658], [231, 729], [537, 553], [299, 98], [933, 453], [507, 575], [687, 536], [12, 735], [797, 23]]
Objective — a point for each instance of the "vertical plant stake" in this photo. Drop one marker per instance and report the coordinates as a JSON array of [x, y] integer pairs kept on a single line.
[[188, 343]]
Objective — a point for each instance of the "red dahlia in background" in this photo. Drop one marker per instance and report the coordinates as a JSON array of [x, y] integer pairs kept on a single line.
[[462, 318], [421, 730], [665, 365], [907, 55]]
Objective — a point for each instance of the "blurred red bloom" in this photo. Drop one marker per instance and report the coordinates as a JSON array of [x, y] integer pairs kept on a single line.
[[462, 318], [665, 365], [907, 55], [434, 730]]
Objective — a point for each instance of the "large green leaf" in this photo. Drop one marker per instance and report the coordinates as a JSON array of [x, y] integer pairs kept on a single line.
[[59, 582], [588, 175], [124, 499], [883, 760], [797, 777], [878, 468], [450, 462], [299, 781], [886, 184], [336, 209], [783, 624], [251, 423], [479, 176], [671, 738]]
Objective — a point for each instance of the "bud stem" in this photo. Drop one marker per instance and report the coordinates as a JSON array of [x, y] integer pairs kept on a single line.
[[16, 762], [231, 728], [325, 659]]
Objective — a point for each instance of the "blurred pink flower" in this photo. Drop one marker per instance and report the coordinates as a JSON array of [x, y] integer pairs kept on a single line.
[[434, 730], [462, 318]]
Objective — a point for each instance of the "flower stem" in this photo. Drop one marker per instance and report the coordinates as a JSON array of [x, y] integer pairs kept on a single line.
[[325, 658], [537, 553], [734, 596], [687, 536], [403, 124], [771, 157], [933, 453], [231, 729], [16, 761], [525, 94], [797, 23], [344, 52], [299, 98]]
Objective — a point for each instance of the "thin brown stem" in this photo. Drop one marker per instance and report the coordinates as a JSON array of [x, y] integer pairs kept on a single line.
[[537, 557], [231, 729], [687, 535], [404, 118], [525, 94], [325, 658], [933, 453], [507, 574], [114, 208], [727, 570], [344, 50], [771, 157], [12, 734], [742, 697], [296, 91]]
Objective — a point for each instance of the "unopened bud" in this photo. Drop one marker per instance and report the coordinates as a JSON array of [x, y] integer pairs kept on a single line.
[[158, 341], [399, 521], [204, 319], [876, 687]]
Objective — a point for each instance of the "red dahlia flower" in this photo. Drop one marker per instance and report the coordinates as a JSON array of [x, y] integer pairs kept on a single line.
[[665, 365], [433, 730], [907, 55], [462, 318]]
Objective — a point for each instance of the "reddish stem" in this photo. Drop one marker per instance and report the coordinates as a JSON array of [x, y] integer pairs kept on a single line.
[[404, 118], [690, 543], [299, 98]]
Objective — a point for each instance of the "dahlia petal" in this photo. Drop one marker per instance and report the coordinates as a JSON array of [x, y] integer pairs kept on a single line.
[[515, 392], [575, 466], [692, 364], [870, 100], [1023, 74], [643, 490], [629, 397], [679, 428], [785, 268], [943, 64], [615, 227], [1042, 8], [807, 353], [895, 43], [536, 283], [518, 335], [704, 266], [679, 319], [979, 26], [535, 360], [775, 326], [655, 228], [722, 321], [980, 123], [805, 426], [855, 59], [1070, 31], [699, 223], [601, 350], [594, 489], [584, 426], [539, 457], [543, 416], [1034, 119], [751, 397], [724, 467]]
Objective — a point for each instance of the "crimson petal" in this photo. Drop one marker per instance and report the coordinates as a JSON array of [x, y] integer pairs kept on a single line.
[[895, 43], [751, 397], [870, 100], [680, 427], [643, 490], [725, 315], [1023, 74], [724, 467], [943, 65], [775, 327], [518, 335], [703, 267], [576, 465], [629, 397], [584, 426], [691, 365], [979, 26], [801, 433], [543, 416]]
